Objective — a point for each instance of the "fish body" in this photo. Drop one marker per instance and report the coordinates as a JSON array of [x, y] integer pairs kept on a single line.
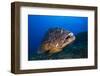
[[56, 39]]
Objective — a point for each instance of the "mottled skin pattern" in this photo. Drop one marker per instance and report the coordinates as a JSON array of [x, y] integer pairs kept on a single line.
[[56, 39]]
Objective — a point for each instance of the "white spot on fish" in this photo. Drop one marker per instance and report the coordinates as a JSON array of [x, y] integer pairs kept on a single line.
[[57, 45]]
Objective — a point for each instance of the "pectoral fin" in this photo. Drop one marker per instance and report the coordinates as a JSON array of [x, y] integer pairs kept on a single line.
[[55, 50]]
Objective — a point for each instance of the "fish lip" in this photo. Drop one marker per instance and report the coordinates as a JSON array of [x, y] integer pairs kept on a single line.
[[70, 35]]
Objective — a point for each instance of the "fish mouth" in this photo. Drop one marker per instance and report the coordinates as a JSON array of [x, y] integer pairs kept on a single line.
[[70, 35], [69, 38]]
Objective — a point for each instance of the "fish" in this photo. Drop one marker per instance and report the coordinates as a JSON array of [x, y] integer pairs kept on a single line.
[[55, 40]]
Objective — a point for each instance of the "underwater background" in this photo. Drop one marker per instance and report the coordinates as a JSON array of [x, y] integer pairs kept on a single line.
[[38, 25]]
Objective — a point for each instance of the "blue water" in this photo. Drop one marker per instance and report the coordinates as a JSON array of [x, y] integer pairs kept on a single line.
[[39, 24]]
